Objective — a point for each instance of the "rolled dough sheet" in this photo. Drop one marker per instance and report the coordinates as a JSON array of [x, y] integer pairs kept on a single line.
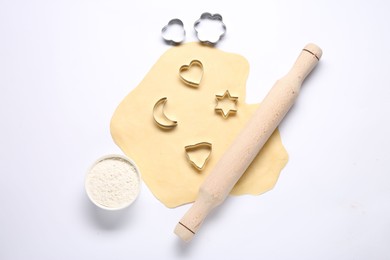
[[160, 154]]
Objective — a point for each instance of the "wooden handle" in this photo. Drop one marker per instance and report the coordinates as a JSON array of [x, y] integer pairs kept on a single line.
[[232, 165]]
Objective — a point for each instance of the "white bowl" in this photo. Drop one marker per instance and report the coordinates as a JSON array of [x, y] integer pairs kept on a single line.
[[113, 182]]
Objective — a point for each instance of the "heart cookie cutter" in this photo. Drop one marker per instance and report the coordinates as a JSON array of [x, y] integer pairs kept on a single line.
[[205, 37], [177, 36], [191, 82], [194, 147]]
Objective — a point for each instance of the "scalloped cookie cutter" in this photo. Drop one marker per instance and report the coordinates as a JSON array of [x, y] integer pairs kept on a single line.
[[215, 38], [168, 124], [226, 95], [176, 37], [186, 68], [195, 147]]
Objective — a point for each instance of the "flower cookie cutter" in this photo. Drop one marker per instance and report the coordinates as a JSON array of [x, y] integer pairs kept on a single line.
[[173, 33], [203, 35]]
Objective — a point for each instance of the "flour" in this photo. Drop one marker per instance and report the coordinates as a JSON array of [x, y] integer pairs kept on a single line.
[[113, 183]]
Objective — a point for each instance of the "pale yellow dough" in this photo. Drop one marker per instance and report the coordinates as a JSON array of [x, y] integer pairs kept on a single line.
[[160, 154]]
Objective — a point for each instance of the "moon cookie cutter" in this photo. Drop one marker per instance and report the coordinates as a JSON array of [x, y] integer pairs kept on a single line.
[[206, 38], [197, 146], [178, 37], [167, 123], [229, 111], [191, 82]]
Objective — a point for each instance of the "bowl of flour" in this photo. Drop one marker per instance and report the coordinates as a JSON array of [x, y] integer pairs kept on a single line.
[[113, 182]]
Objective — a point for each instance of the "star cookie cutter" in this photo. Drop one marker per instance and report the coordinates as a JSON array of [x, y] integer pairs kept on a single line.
[[226, 95], [173, 33], [186, 68], [195, 147], [165, 123], [203, 33]]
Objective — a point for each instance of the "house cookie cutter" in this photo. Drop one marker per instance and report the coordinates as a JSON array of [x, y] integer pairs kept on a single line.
[[226, 95], [191, 82], [196, 146], [167, 123], [177, 37], [205, 38]]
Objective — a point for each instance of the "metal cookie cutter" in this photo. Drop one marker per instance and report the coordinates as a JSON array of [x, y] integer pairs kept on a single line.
[[173, 33], [195, 147], [226, 111], [165, 123], [204, 35], [193, 82]]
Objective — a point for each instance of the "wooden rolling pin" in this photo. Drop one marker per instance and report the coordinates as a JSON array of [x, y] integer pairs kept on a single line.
[[232, 165]]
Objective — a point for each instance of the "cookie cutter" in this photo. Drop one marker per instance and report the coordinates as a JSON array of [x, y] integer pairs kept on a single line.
[[196, 146], [191, 82], [165, 30], [212, 17], [168, 124], [226, 95]]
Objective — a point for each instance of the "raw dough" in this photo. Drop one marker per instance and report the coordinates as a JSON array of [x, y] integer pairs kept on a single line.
[[160, 154]]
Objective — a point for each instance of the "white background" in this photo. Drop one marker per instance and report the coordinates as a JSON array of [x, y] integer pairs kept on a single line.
[[66, 65]]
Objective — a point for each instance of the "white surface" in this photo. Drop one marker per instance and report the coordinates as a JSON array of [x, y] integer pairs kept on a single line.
[[66, 65]]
